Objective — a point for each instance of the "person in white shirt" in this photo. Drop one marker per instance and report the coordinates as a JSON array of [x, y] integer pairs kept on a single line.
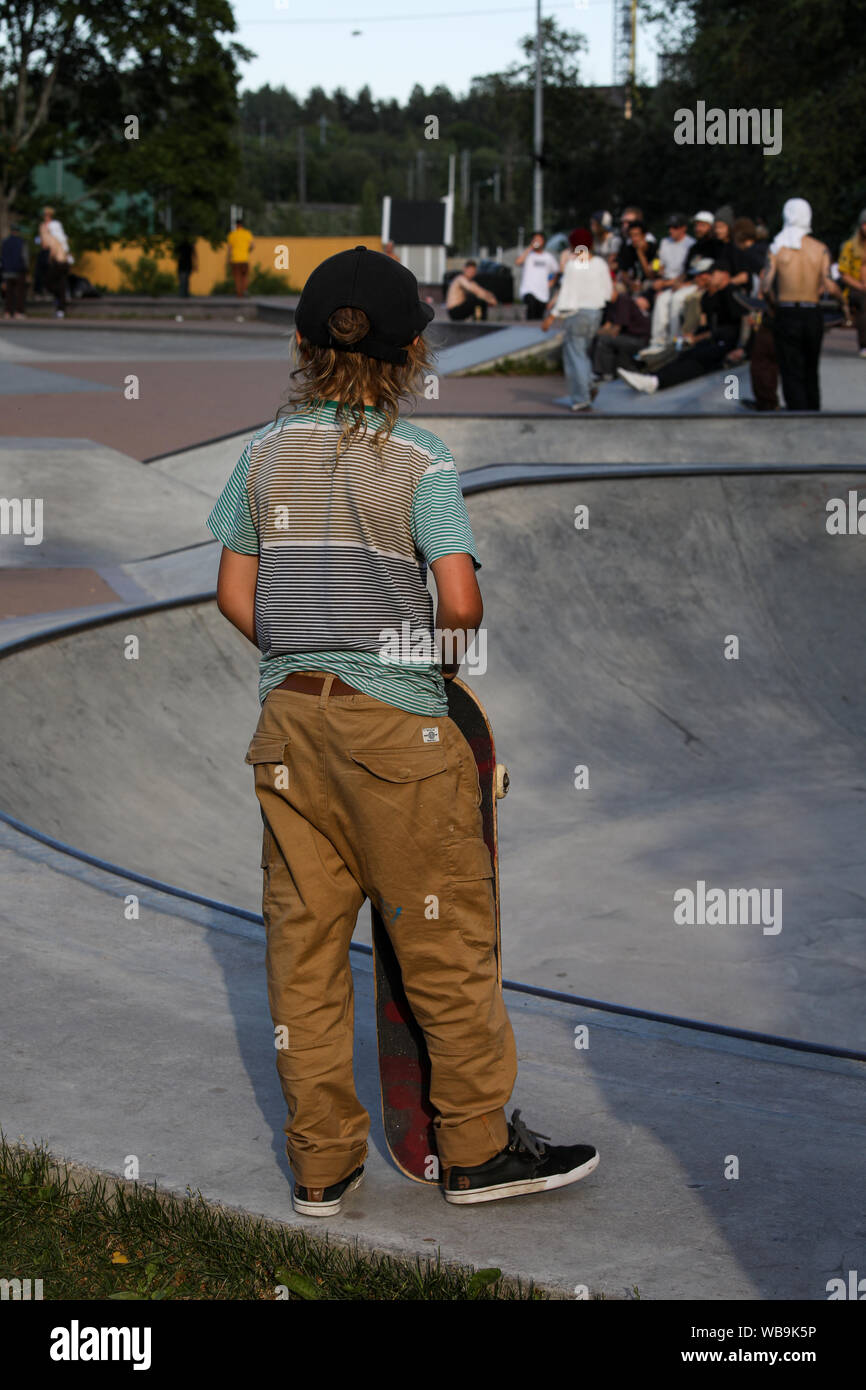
[[52, 239], [539, 268], [673, 288], [674, 251], [585, 290]]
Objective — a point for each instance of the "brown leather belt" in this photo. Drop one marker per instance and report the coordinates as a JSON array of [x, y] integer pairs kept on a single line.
[[313, 684]]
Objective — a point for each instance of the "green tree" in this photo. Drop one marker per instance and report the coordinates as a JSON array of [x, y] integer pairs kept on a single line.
[[804, 57], [75, 78], [371, 210]]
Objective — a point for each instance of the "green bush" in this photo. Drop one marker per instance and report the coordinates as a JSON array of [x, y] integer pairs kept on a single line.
[[144, 277], [260, 282]]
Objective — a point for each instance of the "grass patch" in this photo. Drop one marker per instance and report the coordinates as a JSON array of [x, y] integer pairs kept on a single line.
[[536, 365], [90, 1236]]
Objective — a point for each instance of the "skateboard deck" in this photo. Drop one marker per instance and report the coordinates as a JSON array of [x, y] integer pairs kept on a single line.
[[404, 1065]]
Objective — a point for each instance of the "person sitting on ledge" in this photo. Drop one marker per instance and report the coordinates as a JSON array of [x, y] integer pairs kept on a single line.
[[467, 299], [718, 333]]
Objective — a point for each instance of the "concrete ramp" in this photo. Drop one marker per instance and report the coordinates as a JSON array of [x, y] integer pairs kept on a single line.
[[606, 650], [99, 506], [152, 1037], [515, 340]]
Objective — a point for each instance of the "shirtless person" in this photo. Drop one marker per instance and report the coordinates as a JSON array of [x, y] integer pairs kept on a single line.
[[798, 270], [465, 295]]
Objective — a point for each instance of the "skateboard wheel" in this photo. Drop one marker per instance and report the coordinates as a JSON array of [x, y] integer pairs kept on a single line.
[[502, 781]]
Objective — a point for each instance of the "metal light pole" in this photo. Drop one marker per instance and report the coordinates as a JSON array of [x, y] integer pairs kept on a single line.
[[538, 179], [625, 50], [631, 60], [476, 187]]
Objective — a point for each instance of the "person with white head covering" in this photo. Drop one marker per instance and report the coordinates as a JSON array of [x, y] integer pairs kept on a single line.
[[797, 219], [798, 271]]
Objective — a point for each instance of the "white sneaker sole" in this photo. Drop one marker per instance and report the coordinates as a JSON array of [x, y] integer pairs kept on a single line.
[[324, 1208], [520, 1189]]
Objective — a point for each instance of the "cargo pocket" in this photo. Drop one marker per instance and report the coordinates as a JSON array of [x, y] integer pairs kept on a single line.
[[267, 748], [267, 754], [470, 904], [467, 860]]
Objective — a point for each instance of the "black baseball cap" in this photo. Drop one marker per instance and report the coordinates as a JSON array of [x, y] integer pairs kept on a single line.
[[369, 280]]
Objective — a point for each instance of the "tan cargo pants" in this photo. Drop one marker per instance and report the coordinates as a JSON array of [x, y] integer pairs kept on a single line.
[[362, 799]]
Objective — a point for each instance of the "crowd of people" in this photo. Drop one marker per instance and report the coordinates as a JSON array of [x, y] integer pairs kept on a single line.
[[53, 260], [657, 313], [715, 291], [50, 271]]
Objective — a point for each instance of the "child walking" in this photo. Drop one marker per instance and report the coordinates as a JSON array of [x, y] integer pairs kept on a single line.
[[329, 523]]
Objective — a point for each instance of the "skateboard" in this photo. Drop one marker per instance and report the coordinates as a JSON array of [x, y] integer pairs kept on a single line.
[[404, 1065]]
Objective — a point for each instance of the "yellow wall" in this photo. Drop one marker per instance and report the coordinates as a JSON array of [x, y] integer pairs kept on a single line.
[[304, 254]]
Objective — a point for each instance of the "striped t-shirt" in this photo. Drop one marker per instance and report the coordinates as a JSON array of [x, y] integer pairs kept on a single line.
[[343, 551]]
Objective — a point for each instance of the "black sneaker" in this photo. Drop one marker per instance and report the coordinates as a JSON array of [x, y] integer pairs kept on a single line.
[[325, 1201], [524, 1165]]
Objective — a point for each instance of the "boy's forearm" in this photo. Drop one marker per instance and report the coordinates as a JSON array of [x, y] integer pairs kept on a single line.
[[242, 616]]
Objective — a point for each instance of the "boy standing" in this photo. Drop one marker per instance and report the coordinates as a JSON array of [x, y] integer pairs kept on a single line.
[[240, 245], [366, 787]]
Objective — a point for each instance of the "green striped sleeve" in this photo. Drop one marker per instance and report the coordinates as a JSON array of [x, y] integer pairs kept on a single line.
[[439, 519], [231, 520]]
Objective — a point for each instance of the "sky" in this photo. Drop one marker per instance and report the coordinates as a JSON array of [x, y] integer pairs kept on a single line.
[[392, 44]]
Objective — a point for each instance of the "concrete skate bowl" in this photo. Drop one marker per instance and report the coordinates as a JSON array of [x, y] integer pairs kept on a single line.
[[606, 648]]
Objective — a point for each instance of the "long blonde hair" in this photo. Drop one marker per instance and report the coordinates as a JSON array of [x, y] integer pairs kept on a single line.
[[333, 374]]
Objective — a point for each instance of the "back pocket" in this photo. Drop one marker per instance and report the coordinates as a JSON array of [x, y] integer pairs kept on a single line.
[[401, 764]]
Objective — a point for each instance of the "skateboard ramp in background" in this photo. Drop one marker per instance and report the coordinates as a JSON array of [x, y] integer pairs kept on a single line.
[[513, 340], [606, 650]]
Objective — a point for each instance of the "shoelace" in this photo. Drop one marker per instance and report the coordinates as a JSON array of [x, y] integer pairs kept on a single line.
[[526, 1137]]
